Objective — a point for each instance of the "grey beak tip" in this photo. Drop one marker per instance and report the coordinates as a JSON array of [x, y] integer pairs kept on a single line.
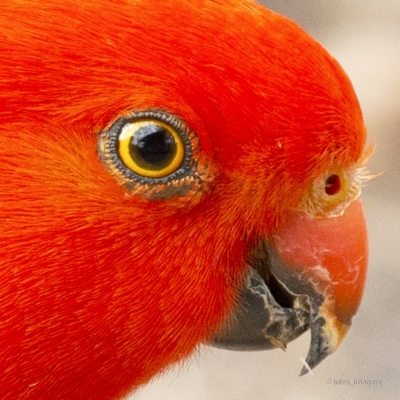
[[303, 371]]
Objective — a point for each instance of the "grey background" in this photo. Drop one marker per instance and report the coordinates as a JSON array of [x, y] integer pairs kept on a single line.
[[364, 35]]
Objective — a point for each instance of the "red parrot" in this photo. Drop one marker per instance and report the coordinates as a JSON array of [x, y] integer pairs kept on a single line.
[[174, 173]]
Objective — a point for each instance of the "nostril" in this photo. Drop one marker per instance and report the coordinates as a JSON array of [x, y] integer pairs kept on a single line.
[[332, 185]]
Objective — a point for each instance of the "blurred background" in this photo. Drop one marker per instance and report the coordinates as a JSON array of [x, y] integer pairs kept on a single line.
[[364, 35]]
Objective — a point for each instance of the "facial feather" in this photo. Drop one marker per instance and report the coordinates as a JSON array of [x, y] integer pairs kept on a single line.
[[102, 288]]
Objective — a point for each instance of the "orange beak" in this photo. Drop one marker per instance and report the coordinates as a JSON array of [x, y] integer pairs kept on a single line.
[[311, 275]]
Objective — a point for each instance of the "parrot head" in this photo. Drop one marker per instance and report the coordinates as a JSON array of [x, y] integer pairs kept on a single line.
[[173, 173]]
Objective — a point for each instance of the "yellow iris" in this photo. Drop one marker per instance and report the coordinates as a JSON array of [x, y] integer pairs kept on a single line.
[[151, 148]]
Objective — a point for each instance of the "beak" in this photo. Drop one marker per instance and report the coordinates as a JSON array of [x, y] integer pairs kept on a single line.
[[311, 275]]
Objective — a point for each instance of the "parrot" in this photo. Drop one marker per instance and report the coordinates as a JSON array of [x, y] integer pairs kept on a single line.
[[174, 174]]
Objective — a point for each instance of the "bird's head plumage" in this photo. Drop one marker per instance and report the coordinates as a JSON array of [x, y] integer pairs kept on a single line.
[[150, 152]]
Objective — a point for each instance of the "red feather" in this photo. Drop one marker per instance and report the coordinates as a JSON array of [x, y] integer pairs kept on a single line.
[[100, 288]]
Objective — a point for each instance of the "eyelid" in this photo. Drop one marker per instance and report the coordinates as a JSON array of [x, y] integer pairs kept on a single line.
[[188, 183]]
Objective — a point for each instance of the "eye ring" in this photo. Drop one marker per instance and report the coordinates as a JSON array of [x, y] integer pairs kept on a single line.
[[132, 142], [182, 169]]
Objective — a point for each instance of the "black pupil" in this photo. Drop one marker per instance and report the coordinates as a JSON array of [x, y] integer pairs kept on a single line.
[[152, 147]]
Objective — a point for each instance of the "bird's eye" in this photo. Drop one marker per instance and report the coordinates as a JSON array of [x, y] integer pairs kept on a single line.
[[151, 148], [155, 154]]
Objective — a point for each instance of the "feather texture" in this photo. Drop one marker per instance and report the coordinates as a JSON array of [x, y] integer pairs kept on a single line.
[[101, 288]]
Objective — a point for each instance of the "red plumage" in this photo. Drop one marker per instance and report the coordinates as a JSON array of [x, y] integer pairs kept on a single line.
[[101, 288]]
